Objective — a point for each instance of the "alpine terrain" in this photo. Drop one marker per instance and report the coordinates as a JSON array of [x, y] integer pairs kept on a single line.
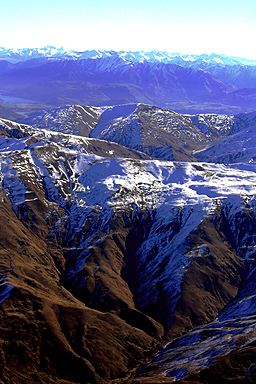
[[52, 77], [128, 229]]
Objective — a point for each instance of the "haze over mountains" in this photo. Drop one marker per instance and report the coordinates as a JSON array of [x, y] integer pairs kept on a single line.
[[185, 83], [128, 230]]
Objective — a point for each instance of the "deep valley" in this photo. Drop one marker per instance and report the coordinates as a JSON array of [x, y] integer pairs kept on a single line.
[[128, 229]]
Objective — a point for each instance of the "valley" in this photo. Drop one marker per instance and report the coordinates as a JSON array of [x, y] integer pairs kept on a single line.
[[183, 83], [128, 229]]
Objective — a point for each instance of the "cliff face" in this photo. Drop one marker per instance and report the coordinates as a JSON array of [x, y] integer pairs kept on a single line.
[[107, 253], [47, 334]]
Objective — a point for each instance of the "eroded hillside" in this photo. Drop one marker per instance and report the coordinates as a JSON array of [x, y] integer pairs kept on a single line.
[[108, 253]]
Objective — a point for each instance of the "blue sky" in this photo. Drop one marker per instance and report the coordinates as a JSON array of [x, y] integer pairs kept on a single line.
[[185, 26]]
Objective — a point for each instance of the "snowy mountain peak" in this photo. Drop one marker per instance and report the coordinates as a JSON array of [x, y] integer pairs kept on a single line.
[[112, 252], [23, 54]]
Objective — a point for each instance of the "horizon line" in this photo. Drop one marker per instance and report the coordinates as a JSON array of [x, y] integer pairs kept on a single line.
[[124, 50]]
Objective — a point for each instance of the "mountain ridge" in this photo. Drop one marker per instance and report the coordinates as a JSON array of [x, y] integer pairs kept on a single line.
[[158, 132], [56, 77], [166, 232], [128, 231], [134, 56]]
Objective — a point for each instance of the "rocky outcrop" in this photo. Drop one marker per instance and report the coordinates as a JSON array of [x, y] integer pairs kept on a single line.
[[107, 253]]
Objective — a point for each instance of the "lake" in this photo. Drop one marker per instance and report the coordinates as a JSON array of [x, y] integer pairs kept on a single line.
[[14, 100]]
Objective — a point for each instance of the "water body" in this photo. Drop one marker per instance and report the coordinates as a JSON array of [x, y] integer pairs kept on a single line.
[[15, 100]]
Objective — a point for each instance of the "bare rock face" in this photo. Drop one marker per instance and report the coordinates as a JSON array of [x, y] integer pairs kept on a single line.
[[48, 335], [57, 336]]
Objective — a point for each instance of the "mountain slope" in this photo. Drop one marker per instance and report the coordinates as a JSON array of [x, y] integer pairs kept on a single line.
[[235, 148], [105, 251], [47, 335], [73, 119], [107, 80], [186, 83], [158, 132], [24, 54], [32, 264]]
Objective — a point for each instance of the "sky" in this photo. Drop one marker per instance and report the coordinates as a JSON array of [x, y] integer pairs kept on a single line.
[[184, 26]]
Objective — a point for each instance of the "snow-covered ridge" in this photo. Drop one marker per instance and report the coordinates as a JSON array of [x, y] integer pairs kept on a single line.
[[183, 215], [157, 131], [23, 54]]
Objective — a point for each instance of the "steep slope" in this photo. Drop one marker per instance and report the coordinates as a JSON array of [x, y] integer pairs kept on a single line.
[[24, 54], [12, 132], [103, 254], [237, 147], [108, 80], [73, 119], [224, 350], [47, 335], [56, 338], [159, 132], [238, 74], [186, 83]]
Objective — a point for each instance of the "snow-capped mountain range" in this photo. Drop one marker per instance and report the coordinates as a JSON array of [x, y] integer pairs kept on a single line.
[[198, 83], [127, 230], [157, 132], [24, 54]]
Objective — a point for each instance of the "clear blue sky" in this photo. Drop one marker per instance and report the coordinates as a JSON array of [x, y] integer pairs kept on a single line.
[[186, 26]]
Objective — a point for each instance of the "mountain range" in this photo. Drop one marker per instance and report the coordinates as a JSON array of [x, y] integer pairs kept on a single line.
[[158, 132], [128, 217], [185, 83], [24, 54], [127, 246]]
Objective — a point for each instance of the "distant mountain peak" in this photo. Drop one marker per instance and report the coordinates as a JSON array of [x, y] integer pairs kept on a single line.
[[23, 54]]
